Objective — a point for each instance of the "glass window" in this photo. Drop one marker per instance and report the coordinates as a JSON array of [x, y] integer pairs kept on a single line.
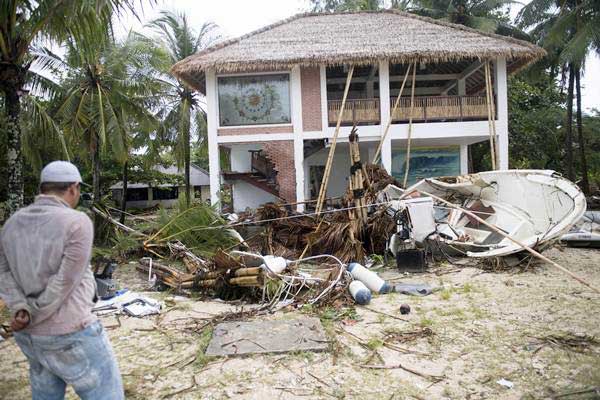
[[165, 193], [254, 100], [137, 194], [426, 162]]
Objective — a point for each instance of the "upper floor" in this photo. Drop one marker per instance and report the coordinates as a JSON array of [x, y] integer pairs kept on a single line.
[[289, 77], [266, 102]]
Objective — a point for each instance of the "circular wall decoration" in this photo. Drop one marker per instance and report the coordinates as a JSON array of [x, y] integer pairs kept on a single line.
[[255, 103]]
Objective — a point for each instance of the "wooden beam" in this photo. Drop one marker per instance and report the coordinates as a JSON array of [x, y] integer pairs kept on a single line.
[[463, 75], [397, 78]]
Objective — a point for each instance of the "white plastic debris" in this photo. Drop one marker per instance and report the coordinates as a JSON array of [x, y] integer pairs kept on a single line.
[[506, 383], [274, 264], [128, 302]]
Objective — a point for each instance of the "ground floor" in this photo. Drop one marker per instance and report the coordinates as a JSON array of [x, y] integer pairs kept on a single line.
[[291, 171]]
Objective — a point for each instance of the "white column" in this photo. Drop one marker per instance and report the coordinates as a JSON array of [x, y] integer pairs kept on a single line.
[[213, 144], [324, 112], [464, 159], [298, 135], [461, 87], [502, 112], [384, 104]]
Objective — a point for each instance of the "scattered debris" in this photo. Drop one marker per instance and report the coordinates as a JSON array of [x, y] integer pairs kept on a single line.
[[414, 289], [395, 336], [506, 383], [271, 336], [586, 232], [404, 309], [130, 303], [577, 342], [360, 293]]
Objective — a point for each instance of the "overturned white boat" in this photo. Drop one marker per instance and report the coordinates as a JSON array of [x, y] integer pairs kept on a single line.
[[535, 207]]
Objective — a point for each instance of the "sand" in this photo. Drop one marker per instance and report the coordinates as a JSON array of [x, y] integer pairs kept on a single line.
[[485, 328]]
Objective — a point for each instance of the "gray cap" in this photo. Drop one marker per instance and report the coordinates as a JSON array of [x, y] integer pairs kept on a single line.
[[60, 171]]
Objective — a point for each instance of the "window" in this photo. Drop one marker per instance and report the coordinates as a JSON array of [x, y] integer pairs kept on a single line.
[[138, 194], [426, 162], [165, 193], [254, 100]]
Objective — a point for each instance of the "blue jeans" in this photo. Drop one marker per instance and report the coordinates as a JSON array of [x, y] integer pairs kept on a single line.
[[83, 359]]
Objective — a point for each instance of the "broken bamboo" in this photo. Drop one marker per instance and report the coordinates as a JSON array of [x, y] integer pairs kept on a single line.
[[517, 242], [410, 119], [327, 173]]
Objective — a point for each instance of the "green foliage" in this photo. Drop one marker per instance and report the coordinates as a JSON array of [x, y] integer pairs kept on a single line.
[[536, 116], [188, 225]]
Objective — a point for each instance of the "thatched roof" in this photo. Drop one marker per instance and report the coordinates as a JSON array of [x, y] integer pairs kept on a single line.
[[352, 38]]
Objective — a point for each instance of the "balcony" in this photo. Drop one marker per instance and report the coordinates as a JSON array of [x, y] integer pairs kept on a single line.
[[361, 111], [441, 108], [426, 109]]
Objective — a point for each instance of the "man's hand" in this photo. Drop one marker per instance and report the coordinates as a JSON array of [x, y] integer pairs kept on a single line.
[[20, 320]]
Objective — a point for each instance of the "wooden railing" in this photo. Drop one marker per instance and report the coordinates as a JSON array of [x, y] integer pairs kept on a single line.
[[361, 111], [437, 108], [426, 108]]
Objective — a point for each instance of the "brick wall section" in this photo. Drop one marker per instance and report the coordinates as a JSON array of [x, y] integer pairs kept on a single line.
[[255, 130], [281, 153], [310, 79]]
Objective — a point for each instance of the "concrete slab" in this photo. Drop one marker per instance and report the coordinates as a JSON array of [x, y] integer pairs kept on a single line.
[[272, 336]]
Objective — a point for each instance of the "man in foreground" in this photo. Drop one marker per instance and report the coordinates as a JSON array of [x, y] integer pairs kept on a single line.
[[50, 290]]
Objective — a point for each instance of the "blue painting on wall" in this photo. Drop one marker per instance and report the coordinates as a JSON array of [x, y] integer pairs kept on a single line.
[[426, 162]]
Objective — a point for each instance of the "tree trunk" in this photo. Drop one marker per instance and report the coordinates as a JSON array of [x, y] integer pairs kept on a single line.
[[569, 126], [124, 193], [188, 188], [14, 154], [96, 181], [585, 183]]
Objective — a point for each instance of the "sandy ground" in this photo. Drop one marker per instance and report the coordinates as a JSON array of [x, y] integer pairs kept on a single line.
[[484, 328]]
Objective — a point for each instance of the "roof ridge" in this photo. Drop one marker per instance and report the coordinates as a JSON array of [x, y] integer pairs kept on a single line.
[[294, 17]]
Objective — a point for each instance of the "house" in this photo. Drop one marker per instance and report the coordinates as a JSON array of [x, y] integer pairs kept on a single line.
[[146, 195], [273, 98]]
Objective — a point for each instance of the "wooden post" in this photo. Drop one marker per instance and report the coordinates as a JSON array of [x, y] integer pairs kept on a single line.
[[410, 118], [323, 189], [491, 118], [387, 127]]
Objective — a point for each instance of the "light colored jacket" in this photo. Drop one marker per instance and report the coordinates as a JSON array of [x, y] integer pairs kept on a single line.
[[45, 252]]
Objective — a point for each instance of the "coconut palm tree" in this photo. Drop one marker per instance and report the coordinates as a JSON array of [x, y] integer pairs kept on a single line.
[[485, 15], [107, 91], [570, 31], [23, 23], [182, 110]]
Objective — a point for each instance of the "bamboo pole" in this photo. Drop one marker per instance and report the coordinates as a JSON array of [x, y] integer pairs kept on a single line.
[[500, 232], [389, 123], [410, 118], [323, 189], [491, 123]]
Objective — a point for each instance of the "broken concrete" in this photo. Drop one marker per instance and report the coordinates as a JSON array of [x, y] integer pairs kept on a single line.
[[278, 336]]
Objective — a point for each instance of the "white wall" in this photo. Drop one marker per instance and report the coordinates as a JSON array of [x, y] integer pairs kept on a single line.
[[338, 180], [247, 196], [240, 156]]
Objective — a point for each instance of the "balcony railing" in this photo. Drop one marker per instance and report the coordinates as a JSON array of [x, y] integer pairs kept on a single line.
[[438, 108], [426, 108], [361, 111]]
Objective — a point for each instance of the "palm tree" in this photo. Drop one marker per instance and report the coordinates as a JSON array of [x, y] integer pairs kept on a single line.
[[182, 109], [107, 91], [485, 15], [23, 23], [569, 30]]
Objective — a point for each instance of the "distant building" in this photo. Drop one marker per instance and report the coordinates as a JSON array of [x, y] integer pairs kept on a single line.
[[273, 98], [144, 195]]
